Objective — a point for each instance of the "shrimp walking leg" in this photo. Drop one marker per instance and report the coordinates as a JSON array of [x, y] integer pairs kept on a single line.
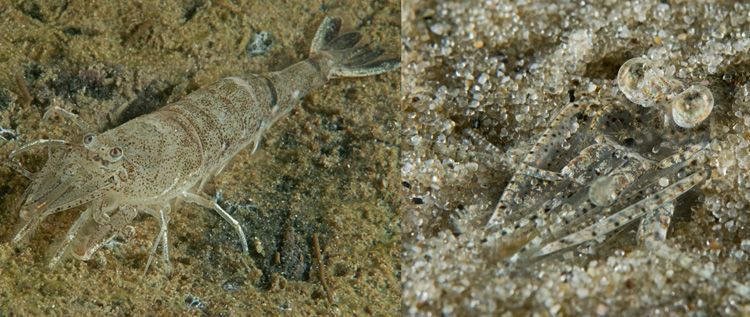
[[16, 165], [82, 125], [163, 217], [69, 238], [203, 201]]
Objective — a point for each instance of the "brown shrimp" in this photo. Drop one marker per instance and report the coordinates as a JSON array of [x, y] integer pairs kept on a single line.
[[147, 163]]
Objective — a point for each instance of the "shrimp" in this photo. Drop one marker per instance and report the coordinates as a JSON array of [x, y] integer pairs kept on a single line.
[[146, 164]]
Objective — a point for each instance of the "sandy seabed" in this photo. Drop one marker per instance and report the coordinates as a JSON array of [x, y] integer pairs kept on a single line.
[[329, 169], [504, 69]]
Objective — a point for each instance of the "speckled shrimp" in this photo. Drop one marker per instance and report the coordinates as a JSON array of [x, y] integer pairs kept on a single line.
[[150, 161]]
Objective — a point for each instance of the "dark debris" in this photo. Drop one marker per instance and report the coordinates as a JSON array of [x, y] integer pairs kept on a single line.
[[8, 134], [191, 9], [97, 84], [279, 231], [193, 302], [4, 99], [153, 97], [32, 9]]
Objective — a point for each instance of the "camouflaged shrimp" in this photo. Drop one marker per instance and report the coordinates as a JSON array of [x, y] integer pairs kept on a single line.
[[593, 171], [150, 161], [580, 182]]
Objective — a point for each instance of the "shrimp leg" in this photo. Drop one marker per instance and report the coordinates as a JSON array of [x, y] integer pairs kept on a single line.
[[163, 217], [203, 201], [69, 237], [16, 165], [82, 125]]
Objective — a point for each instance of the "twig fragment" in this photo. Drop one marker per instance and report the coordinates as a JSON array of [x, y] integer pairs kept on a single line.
[[23, 90], [321, 270]]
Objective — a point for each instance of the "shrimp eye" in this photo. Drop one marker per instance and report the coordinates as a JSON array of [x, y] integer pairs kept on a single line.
[[115, 152], [640, 82], [88, 138], [692, 106]]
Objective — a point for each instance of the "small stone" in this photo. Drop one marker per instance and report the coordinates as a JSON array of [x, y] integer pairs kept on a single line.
[[582, 292], [745, 244], [258, 246], [482, 79], [439, 28], [601, 310], [260, 44]]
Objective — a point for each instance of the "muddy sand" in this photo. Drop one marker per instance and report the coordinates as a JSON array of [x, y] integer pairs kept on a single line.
[[330, 169]]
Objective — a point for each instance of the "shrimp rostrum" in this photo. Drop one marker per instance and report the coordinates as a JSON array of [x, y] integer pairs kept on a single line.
[[145, 164]]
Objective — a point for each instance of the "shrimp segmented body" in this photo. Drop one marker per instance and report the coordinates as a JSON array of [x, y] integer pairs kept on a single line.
[[147, 163]]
